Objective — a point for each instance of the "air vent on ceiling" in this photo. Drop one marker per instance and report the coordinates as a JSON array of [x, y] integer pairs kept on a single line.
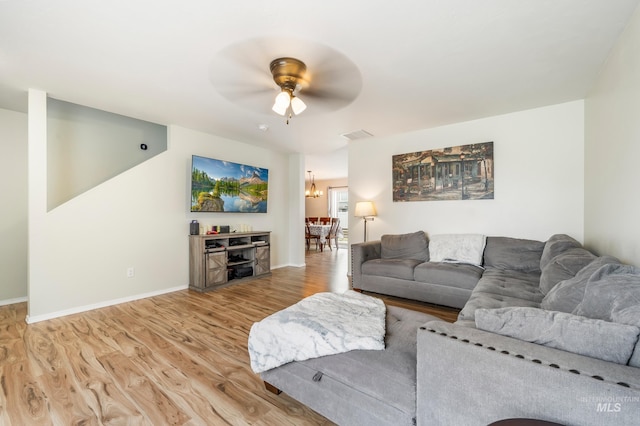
[[356, 134]]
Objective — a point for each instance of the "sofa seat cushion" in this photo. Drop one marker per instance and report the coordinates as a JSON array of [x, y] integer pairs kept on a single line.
[[392, 268], [513, 284], [480, 300], [361, 387], [501, 289], [458, 275], [513, 254], [405, 246], [594, 338]]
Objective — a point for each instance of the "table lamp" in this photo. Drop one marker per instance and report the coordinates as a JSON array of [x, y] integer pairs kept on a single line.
[[366, 210]]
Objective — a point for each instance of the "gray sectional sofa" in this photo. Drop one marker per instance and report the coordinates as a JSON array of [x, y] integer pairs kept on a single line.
[[548, 331], [400, 265]]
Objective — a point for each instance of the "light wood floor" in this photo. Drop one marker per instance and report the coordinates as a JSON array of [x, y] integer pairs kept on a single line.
[[179, 358]]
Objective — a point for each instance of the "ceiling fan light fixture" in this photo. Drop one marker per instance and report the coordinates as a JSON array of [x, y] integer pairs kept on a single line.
[[297, 105], [290, 75], [283, 99], [282, 102], [279, 109]]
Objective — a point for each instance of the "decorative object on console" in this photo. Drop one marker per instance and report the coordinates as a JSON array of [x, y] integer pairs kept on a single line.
[[194, 227], [366, 210], [223, 186], [464, 172]]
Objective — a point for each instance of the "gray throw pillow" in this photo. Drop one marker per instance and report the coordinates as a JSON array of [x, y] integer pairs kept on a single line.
[[555, 245], [566, 295], [630, 315], [564, 266], [594, 338], [405, 246]]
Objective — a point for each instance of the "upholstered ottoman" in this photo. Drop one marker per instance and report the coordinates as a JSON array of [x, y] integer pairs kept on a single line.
[[360, 387]]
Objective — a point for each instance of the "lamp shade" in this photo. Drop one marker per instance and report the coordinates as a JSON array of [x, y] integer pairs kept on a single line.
[[282, 103], [279, 109], [297, 105], [283, 99], [365, 208]]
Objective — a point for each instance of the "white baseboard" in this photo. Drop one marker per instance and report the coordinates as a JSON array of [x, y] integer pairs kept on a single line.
[[38, 318], [12, 301], [289, 264]]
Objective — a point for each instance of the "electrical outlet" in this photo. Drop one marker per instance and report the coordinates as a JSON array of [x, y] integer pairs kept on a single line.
[[130, 272]]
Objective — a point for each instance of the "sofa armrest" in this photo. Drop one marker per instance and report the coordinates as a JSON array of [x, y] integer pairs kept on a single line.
[[469, 376], [360, 253]]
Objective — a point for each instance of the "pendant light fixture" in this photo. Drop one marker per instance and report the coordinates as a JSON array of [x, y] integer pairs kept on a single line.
[[312, 192]]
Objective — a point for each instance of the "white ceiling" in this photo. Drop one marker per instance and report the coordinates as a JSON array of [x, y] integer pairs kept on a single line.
[[413, 64]]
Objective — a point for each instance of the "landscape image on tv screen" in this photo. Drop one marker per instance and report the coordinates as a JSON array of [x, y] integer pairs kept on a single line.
[[224, 187]]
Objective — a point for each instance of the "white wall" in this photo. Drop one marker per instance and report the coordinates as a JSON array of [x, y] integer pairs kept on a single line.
[[80, 251], [612, 144], [538, 178], [296, 242], [86, 147], [13, 193]]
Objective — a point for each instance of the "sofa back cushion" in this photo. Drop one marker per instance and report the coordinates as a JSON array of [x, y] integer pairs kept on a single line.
[[513, 253], [556, 245], [405, 246], [564, 266], [610, 290], [567, 295]]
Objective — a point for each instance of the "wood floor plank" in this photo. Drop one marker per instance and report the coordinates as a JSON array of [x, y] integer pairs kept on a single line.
[[25, 401], [179, 358], [152, 400], [108, 402], [64, 395]]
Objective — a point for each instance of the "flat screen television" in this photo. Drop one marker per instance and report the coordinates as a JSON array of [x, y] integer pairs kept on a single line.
[[219, 186]]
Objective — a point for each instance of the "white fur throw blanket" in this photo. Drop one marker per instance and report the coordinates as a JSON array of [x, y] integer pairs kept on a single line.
[[457, 248], [321, 324]]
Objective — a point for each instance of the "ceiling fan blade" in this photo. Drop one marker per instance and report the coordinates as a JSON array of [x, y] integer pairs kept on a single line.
[[332, 90], [241, 74]]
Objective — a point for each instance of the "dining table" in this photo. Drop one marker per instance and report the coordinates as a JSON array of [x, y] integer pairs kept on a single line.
[[322, 231]]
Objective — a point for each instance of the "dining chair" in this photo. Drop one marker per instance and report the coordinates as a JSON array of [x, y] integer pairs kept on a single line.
[[325, 220], [314, 220], [308, 237], [333, 232]]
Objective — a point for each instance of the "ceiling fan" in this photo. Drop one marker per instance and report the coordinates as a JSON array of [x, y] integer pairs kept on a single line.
[[245, 72]]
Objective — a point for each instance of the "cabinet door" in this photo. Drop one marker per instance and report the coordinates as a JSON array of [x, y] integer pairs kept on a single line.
[[216, 268], [263, 265]]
